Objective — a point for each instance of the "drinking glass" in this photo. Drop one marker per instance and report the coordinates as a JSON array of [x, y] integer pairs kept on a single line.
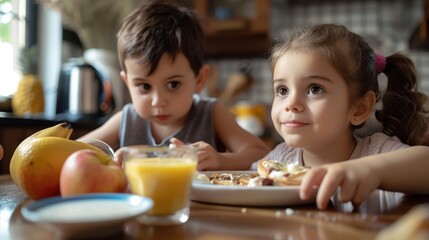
[[100, 144], [165, 175]]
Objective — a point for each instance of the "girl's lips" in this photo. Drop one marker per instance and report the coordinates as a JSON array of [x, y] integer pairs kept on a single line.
[[294, 124]]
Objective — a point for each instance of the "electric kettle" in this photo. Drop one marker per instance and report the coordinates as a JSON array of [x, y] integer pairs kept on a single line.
[[83, 90]]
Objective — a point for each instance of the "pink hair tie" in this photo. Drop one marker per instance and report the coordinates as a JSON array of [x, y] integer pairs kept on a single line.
[[380, 63]]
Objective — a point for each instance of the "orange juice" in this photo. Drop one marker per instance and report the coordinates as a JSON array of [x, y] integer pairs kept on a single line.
[[166, 180]]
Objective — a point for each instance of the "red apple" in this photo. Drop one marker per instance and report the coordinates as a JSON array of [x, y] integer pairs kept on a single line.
[[83, 172]]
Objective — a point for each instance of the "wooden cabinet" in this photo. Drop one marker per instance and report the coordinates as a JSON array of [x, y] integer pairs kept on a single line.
[[238, 28]]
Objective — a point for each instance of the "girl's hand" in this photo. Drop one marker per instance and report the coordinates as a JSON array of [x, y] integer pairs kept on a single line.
[[354, 180], [208, 157], [1, 152]]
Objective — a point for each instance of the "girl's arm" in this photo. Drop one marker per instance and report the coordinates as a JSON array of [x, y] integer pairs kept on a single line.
[[404, 170]]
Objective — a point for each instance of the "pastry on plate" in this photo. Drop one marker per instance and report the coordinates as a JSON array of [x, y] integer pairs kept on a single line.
[[281, 174]]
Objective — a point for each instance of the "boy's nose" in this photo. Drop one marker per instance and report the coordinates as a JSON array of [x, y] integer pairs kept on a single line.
[[158, 100]]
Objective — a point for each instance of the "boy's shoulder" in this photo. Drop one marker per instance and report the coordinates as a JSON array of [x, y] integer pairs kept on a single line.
[[203, 104], [127, 107], [204, 99]]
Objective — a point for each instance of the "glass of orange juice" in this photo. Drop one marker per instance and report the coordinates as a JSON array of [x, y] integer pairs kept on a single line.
[[165, 175]]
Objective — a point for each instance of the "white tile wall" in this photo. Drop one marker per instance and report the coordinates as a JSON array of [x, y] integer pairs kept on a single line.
[[384, 23]]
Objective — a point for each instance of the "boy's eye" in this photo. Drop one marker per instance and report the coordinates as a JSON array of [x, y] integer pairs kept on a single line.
[[282, 91], [315, 89], [145, 87], [173, 84]]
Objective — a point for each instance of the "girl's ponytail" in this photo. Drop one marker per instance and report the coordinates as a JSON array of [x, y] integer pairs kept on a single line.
[[403, 113]]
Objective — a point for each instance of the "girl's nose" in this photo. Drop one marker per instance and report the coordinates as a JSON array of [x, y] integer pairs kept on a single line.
[[294, 103]]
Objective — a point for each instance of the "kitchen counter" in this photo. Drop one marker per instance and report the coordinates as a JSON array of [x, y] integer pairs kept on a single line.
[[11, 119], [14, 129]]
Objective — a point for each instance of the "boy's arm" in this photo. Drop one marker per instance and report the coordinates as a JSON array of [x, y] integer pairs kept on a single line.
[[244, 148], [108, 132]]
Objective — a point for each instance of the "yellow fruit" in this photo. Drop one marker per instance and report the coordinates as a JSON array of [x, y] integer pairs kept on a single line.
[[29, 97], [36, 164]]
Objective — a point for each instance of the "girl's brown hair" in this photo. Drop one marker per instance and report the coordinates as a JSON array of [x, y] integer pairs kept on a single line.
[[403, 112]]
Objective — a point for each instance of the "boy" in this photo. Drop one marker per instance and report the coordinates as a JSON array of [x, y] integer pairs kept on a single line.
[[160, 47]]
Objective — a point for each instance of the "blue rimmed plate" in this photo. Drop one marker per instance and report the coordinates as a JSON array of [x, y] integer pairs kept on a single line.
[[87, 215]]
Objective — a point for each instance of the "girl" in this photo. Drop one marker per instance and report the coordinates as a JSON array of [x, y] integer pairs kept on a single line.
[[325, 86]]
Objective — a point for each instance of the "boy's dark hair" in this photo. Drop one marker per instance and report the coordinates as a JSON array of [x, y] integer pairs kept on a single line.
[[160, 27], [404, 112]]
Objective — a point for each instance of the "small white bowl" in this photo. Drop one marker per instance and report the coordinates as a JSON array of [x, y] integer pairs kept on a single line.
[[87, 215]]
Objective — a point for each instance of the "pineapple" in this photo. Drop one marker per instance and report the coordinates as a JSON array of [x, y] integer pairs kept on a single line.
[[29, 97]]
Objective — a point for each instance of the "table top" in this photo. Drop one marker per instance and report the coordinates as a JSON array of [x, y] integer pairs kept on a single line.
[[210, 221]]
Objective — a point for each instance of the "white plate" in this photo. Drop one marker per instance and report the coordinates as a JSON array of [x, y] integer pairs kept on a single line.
[[87, 215], [246, 196]]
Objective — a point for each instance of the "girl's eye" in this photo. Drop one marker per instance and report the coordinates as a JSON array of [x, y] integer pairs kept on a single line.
[[282, 91], [315, 89], [173, 85]]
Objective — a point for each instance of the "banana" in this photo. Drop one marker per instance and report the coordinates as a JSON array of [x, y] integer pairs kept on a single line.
[[36, 164], [63, 130]]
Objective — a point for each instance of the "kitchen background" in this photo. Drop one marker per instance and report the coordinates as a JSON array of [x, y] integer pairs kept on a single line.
[[388, 25], [236, 45], [238, 39]]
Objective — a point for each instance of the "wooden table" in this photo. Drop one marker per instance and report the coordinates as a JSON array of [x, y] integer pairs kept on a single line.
[[210, 221]]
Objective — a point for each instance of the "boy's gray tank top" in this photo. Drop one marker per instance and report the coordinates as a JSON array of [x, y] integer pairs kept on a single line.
[[198, 127]]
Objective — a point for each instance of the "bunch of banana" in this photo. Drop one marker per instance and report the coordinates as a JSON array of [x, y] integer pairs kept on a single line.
[[36, 164]]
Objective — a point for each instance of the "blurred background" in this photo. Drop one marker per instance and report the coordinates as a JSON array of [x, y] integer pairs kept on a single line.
[[75, 49]]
